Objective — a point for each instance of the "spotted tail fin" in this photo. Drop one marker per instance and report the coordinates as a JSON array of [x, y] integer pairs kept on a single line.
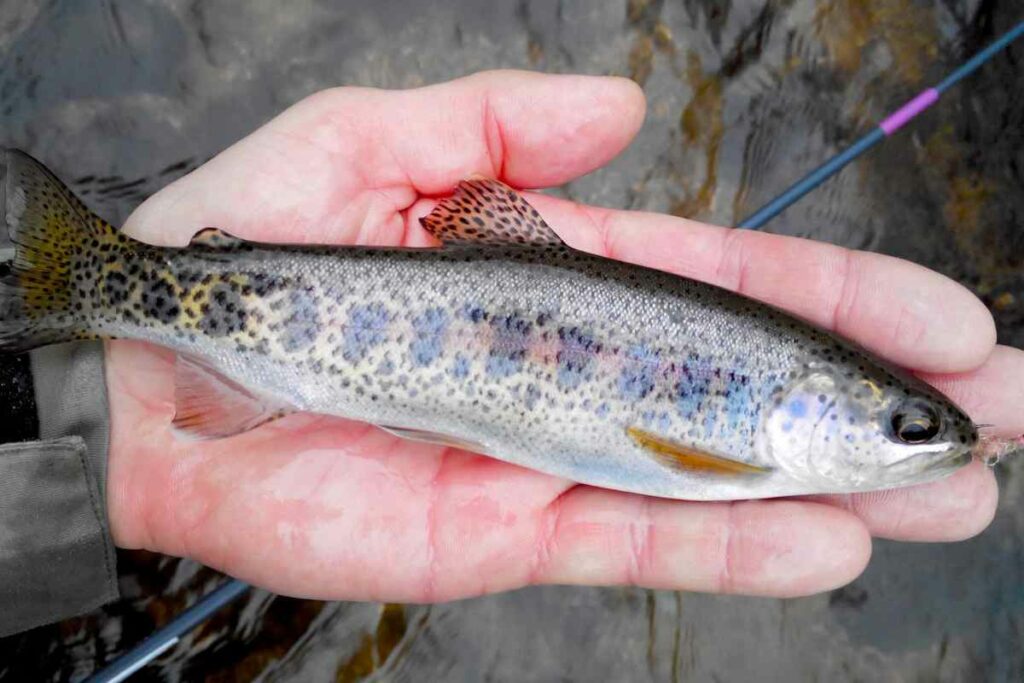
[[44, 296]]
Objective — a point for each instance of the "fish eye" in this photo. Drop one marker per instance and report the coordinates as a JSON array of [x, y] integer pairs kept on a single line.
[[915, 423]]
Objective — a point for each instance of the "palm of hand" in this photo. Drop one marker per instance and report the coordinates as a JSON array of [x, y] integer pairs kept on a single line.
[[324, 507]]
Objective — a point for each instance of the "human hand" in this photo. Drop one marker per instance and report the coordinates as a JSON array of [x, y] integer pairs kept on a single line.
[[322, 507]]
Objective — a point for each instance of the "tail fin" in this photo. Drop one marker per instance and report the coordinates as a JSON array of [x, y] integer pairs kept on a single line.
[[46, 297]]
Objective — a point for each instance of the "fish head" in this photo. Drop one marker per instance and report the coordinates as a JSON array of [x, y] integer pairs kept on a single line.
[[858, 427]]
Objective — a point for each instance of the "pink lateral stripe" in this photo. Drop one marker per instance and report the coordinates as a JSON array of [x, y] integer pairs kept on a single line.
[[901, 116]]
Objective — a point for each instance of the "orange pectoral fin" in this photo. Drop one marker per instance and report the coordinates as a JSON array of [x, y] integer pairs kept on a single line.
[[686, 459], [211, 406]]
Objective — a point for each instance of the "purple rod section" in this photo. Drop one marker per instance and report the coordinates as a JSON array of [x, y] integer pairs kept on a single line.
[[904, 114]]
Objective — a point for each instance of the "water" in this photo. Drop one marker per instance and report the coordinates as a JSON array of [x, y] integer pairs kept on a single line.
[[744, 96]]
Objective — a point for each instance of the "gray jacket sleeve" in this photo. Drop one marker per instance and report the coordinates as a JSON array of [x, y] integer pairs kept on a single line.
[[56, 555]]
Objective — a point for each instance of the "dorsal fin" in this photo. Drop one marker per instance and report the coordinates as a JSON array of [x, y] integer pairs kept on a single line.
[[208, 405], [215, 238], [688, 459], [486, 211]]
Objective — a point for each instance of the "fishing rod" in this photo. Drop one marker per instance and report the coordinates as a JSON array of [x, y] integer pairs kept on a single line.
[[166, 637], [887, 127]]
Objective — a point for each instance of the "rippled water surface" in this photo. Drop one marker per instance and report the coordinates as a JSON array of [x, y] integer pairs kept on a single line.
[[744, 95]]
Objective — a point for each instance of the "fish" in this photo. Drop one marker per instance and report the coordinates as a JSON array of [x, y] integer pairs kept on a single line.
[[503, 340]]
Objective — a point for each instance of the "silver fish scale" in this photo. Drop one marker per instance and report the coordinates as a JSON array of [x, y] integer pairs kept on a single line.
[[543, 356]]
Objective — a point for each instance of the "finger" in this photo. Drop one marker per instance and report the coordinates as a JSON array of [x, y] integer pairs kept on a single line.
[[992, 394], [779, 548], [346, 157], [951, 509], [528, 129], [913, 316]]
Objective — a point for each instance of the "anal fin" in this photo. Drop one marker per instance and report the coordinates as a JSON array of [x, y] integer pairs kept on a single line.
[[691, 460], [427, 436], [211, 406]]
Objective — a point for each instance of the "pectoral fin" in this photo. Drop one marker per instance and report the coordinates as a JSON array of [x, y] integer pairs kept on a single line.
[[686, 459], [211, 406]]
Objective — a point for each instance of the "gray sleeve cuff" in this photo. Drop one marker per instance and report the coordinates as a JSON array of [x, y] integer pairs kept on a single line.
[[56, 559], [56, 555]]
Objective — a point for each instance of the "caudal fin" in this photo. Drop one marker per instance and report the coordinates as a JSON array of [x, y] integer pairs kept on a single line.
[[47, 296]]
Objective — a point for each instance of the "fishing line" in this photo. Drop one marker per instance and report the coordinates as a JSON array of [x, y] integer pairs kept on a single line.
[[164, 638]]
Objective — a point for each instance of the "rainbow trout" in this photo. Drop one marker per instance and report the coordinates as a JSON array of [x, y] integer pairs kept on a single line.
[[504, 341]]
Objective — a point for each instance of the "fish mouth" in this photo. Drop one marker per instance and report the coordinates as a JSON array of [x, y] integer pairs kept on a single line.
[[951, 462], [932, 465]]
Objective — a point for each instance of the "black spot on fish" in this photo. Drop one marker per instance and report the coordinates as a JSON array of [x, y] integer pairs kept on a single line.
[[115, 288], [575, 356], [159, 301], [474, 314], [224, 313], [302, 324], [188, 278], [263, 284], [531, 395], [636, 380], [509, 346]]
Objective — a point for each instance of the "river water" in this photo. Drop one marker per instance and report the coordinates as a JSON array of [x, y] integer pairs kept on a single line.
[[744, 95]]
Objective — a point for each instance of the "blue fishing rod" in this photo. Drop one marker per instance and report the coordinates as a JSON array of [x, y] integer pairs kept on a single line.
[[887, 127], [166, 637]]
